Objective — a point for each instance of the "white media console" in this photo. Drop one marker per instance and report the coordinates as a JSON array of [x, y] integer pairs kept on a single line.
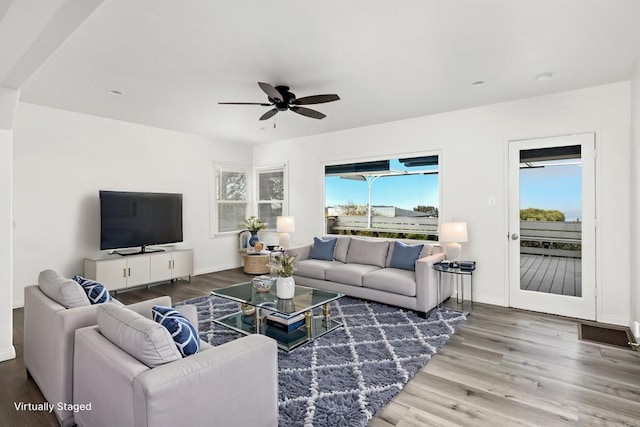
[[122, 272]]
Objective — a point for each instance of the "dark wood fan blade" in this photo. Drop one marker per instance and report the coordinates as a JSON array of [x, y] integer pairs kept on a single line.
[[315, 99], [308, 112], [271, 91], [269, 114], [245, 103]]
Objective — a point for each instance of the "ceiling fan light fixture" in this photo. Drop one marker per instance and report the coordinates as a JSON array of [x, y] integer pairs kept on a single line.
[[282, 99]]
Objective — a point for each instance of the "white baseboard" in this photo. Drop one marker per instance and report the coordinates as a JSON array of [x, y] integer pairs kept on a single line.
[[612, 319], [213, 269], [7, 353], [484, 299]]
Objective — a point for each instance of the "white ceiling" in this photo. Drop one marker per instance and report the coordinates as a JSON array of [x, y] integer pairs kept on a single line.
[[388, 60]]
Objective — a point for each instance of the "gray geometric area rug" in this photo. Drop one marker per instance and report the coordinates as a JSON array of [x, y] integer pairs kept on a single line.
[[344, 377]]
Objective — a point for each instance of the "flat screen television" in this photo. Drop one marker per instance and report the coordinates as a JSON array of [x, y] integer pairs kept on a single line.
[[132, 219]]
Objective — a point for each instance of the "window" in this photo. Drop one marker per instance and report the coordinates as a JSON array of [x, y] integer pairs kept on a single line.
[[396, 197], [231, 198], [271, 194]]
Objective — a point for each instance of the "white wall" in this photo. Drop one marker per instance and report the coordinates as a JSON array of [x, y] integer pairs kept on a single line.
[[473, 146], [635, 197], [7, 350], [8, 102], [62, 159]]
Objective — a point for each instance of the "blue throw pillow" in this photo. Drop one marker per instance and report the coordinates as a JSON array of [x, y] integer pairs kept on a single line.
[[182, 331], [323, 249], [96, 291], [405, 256]]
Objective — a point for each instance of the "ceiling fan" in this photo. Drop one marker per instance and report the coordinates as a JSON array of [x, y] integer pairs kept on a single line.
[[282, 100]]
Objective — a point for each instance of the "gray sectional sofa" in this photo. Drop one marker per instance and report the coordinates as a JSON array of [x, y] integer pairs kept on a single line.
[[367, 268]]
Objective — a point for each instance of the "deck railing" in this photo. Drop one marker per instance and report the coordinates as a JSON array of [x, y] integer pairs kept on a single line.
[[402, 226], [551, 238]]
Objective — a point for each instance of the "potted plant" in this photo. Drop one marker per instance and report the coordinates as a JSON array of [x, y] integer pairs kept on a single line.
[[284, 266], [254, 224]]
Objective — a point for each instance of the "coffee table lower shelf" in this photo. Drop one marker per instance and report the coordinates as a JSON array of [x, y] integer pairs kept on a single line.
[[318, 326]]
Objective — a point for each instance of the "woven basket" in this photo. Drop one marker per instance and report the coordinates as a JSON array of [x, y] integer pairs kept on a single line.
[[256, 264]]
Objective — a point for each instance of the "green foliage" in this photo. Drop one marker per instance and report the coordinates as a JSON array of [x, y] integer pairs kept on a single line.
[[253, 224], [284, 265], [386, 235], [430, 210], [535, 214]]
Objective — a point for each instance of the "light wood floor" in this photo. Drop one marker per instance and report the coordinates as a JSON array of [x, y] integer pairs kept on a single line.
[[503, 367], [551, 274]]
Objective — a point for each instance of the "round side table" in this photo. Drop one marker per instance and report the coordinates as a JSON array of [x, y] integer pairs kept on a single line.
[[256, 264]]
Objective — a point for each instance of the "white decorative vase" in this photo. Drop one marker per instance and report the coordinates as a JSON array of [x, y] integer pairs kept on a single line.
[[285, 287]]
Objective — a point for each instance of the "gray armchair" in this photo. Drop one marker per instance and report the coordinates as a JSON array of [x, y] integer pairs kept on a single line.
[[49, 330], [234, 384]]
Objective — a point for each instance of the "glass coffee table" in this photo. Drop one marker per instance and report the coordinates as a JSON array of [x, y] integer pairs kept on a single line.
[[290, 322]]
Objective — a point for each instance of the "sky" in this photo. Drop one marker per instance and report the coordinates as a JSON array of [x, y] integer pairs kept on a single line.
[[551, 187], [405, 192]]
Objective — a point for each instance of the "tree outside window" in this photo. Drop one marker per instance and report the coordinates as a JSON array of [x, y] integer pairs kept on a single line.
[[232, 195], [271, 195]]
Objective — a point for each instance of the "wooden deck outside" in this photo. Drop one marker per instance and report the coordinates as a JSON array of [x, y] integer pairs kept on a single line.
[[551, 274]]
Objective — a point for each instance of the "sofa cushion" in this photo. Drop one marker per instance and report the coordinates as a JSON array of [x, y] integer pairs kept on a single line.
[[405, 256], [96, 292], [323, 248], [62, 290], [184, 334], [371, 252], [427, 249], [394, 280], [314, 268], [349, 274], [147, 341], [342, 248]]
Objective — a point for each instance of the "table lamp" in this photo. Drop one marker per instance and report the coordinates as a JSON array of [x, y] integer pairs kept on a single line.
[[453, 233], [284, 226]]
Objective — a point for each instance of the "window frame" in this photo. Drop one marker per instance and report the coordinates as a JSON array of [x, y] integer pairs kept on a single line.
[[285, 192], [438, 152], [226, 167]]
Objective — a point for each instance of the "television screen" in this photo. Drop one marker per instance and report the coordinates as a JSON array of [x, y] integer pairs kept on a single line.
[[129, 219]]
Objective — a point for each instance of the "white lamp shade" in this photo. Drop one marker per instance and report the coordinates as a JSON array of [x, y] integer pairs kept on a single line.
[[453, 232], [285, 224]]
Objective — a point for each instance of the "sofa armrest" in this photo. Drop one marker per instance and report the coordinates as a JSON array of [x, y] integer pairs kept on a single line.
[[102, 376], [427, 282], [48, 345], [144, 307], [230, 375], [302, 252]]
